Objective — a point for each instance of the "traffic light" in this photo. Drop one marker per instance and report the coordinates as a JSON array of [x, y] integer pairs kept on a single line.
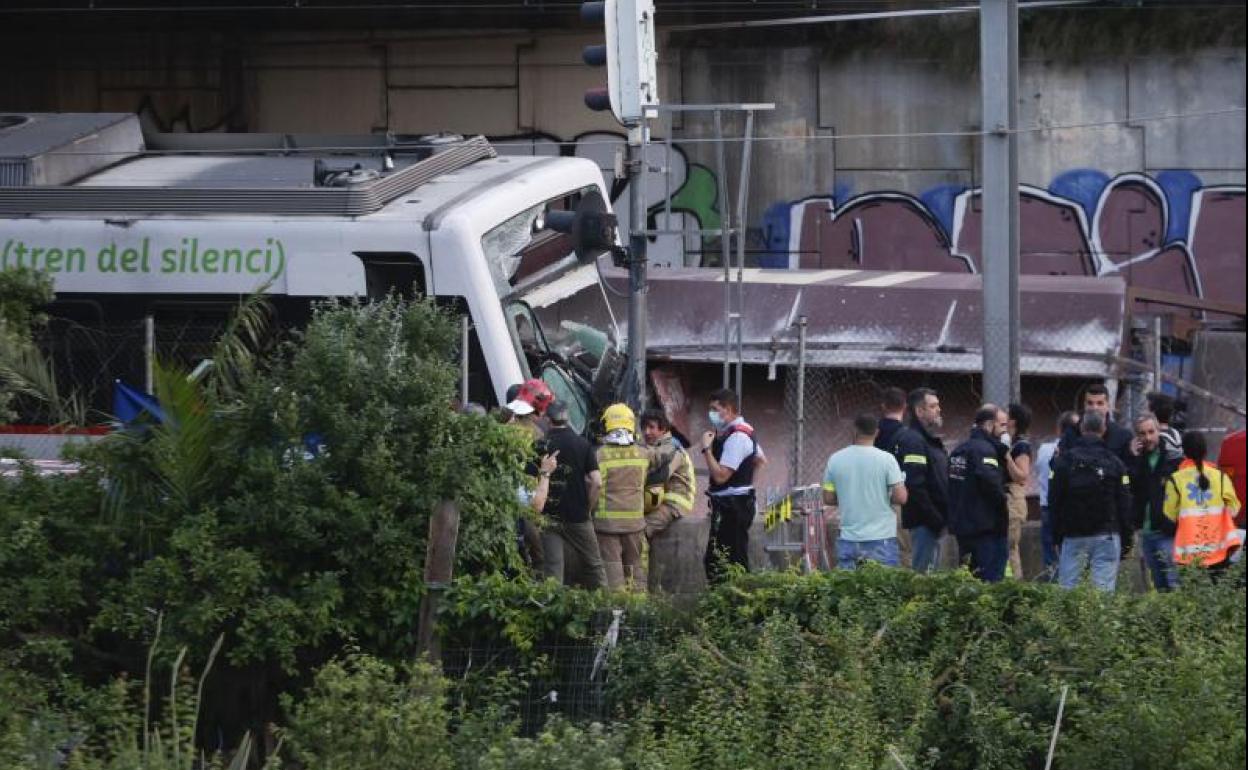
[[592, 227], [630, 56]]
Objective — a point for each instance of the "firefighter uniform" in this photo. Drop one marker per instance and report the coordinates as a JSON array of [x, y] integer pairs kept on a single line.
[[619, 520], [670, 490]]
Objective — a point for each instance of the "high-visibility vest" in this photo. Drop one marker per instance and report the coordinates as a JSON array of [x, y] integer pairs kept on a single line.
[[621, 499], [1205, 530]]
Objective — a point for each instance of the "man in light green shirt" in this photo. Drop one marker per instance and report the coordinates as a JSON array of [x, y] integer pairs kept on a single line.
[[864, 483]]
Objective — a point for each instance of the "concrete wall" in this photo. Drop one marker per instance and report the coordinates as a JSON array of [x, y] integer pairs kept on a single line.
[[526, 87]]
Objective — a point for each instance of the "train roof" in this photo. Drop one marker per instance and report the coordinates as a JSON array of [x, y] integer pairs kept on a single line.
[[88, 164]]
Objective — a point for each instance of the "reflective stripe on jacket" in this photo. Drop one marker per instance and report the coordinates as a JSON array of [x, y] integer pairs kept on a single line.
[[621, 499], [1204, 518], [681, 487]]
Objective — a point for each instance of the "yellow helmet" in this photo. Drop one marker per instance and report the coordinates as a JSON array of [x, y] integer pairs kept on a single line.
[[619, 416]]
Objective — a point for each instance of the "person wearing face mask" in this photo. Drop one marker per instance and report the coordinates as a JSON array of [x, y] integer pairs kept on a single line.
[[732, 457], [978, 516]]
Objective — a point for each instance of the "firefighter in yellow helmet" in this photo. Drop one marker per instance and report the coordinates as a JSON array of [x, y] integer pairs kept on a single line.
[[619, 519]]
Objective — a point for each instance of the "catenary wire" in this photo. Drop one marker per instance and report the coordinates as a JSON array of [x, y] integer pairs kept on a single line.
[[702, 140]]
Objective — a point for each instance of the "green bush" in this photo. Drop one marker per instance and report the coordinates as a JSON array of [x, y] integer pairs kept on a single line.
[[362, 713], [883, 665], [285, 503]]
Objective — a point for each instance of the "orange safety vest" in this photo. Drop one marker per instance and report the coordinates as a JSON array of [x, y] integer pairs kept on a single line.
[[1205, 518]]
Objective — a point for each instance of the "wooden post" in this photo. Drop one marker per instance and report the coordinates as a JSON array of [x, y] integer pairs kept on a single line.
[[439, 568]]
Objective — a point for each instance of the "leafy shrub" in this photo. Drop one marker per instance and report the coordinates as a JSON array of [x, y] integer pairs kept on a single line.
[[362, 713], [559, 746], [285, 503], [943, 671]]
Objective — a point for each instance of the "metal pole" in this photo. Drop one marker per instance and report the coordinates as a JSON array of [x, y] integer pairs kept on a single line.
[[743, 191], [149, 354], [998, 28], [667, 180], [725, 223], [464, 353], [800, 429], [1157, 353], [635, 390]]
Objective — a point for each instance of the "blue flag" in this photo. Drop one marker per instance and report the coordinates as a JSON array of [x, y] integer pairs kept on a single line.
[[129, 403]]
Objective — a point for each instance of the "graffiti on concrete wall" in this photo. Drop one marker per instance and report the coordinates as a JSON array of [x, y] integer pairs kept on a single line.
[[692, 187], [1169, 231]]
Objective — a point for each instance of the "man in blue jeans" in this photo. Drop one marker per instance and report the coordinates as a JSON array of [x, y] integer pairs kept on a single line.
[[1041, 471], [1090, 496], [1152, 467], [978, 516], [921, 453], [864, 483]]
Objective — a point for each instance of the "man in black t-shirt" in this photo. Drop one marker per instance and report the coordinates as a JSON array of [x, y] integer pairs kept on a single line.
[[574, 483]]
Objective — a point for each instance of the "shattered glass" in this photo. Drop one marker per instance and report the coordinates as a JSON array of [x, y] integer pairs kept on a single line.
[[504, 242]]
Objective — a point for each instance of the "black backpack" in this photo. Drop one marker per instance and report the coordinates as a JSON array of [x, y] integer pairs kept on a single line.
[[1089, 484]]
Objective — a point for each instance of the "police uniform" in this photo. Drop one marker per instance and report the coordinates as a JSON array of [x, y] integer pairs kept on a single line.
[[732, 501], [925, 462], [977, 505]]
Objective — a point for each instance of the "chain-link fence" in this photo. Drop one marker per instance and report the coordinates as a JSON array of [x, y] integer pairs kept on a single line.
[[569, 679], [89, 359]]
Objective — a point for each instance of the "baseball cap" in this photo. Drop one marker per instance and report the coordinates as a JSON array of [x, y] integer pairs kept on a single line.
[[520, 407], [557, 412]]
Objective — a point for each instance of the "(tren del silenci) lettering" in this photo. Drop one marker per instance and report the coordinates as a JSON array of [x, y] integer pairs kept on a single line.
[[186, 258]]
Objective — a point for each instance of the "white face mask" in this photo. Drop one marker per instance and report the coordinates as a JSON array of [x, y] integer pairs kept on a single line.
[[1005, 439], [717, 422]]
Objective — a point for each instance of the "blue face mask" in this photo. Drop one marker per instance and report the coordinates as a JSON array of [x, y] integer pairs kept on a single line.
[[717, 422]]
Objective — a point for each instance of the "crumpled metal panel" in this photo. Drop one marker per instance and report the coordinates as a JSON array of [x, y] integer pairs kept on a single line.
[[877, 320]]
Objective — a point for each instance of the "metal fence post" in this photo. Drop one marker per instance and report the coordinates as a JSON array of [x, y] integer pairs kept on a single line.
[[1157, 357], [149, 353], [799, 432], [464, 353], [725, 225]]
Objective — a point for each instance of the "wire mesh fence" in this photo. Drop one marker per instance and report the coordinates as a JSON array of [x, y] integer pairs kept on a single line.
[[90, 359], [566, 678]]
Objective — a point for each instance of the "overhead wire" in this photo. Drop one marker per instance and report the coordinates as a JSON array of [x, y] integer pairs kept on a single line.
[[378, 148]]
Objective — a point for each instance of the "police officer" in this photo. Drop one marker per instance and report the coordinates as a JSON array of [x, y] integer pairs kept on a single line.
[[977, 504], [922, 456], [619, 520], [732, 455], [1090, 498]]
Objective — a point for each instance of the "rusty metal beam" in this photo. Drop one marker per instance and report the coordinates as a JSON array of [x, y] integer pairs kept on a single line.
[[1173, 299]]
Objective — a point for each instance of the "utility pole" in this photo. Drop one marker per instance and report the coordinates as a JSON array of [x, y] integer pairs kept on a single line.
[[630, 54], [635, 388], [998, 36]]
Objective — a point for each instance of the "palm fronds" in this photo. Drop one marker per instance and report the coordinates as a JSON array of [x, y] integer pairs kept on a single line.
[[26, 372], [237, 350]]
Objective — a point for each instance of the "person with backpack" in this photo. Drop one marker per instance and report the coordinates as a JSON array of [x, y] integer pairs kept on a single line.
[[1090, 497]]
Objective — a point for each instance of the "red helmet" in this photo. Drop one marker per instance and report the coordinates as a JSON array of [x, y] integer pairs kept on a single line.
[[536, 393]]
